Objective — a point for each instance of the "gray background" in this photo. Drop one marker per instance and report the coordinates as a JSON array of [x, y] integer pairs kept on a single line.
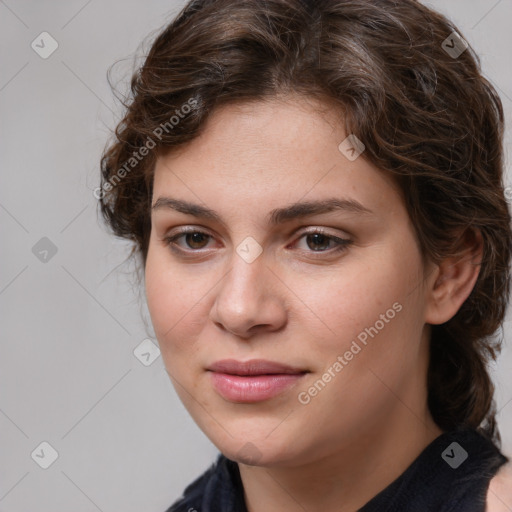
[[68, 374]]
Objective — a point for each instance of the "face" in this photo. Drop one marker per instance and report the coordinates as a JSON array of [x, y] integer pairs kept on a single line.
[[272, 250]]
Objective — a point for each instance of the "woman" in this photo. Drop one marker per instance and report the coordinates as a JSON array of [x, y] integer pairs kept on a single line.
[[315, 192]]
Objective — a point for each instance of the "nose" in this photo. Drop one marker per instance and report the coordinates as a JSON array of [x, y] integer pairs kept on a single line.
[[249, 299]]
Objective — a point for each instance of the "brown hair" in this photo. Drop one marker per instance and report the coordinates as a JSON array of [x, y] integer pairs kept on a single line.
[[425, 114]]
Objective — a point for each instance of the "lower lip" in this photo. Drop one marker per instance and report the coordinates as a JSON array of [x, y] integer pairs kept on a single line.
[[252, 388]]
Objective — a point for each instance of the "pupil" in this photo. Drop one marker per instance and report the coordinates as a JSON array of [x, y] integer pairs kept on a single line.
[[318, 240]]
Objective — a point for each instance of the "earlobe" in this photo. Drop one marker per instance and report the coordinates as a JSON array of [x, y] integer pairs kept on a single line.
[[454, 279]]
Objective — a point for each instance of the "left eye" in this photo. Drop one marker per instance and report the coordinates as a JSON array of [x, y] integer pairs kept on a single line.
[[321, 242]]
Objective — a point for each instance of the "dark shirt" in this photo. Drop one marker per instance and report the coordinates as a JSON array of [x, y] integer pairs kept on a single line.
[[451, 474]]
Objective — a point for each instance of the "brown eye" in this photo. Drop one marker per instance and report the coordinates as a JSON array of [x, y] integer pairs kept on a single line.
[[188, 241], [196, 240], [321, 243], [318, 241]]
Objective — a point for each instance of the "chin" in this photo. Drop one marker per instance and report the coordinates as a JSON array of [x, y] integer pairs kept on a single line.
[[257, 451]]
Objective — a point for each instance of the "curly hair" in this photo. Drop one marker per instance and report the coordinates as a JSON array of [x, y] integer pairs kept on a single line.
[[406, 83]]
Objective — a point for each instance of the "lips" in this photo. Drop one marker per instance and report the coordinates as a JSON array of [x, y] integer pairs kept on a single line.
[[253, 367], [252, 381]]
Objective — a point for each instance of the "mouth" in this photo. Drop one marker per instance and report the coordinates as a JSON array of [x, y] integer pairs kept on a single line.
[[252, 381]]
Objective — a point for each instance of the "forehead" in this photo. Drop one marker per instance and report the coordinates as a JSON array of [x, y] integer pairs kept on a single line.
[[289, 125]]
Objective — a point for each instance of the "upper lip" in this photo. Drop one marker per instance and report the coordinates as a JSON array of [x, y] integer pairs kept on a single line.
[[253, 367]]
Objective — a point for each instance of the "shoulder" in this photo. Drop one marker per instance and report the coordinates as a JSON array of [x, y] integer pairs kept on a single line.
[[499, 494], [192, 496], [216, 487]]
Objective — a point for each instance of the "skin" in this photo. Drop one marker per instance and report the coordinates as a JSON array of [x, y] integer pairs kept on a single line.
[[297, 305], [499, 495]]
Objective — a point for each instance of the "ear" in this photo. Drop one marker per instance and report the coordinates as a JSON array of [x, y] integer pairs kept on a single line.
[[452, 280]]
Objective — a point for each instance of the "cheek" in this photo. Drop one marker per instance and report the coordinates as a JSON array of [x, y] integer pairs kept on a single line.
[[369, 349], [347, 301], [175, 302], [160, 301]]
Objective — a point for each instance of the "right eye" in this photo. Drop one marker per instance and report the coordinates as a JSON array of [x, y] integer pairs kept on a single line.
[[188, 241]]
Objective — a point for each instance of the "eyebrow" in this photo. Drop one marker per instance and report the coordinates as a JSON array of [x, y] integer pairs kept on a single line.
[[278, 216]]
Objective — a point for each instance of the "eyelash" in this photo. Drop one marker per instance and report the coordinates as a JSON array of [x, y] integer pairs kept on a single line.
[[342, 243]]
